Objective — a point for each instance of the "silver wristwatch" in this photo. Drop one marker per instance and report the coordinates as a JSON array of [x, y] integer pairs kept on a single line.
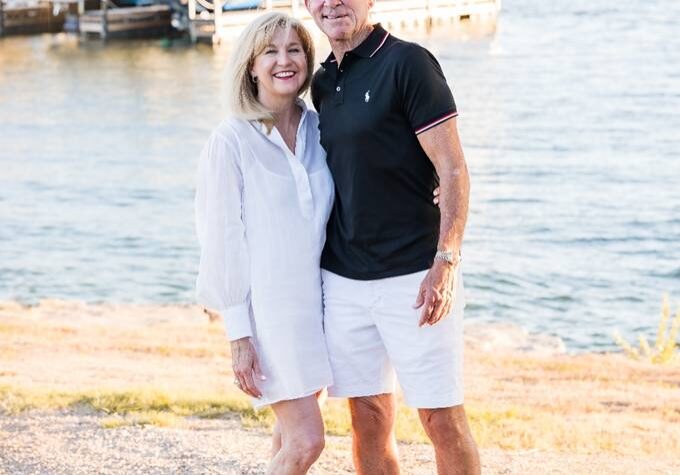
[[449, 257]]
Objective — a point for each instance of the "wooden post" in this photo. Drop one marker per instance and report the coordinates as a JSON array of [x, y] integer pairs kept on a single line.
[[269, 4], [295, 8], [192, 21], [2, 18], [105, 19], [217, 36], [192, 9]]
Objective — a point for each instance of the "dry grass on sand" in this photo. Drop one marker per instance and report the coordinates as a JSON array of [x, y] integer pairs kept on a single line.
[[159, 375]]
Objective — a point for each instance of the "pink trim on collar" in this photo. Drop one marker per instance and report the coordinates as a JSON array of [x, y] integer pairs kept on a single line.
[[387, 33]]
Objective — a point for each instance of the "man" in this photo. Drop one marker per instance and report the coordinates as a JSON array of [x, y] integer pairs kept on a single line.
[[388, 124]]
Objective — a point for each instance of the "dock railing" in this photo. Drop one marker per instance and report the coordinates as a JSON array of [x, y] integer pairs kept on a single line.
[[213, 21]]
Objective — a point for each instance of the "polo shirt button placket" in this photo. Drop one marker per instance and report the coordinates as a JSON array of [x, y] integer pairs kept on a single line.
[[339, 95]]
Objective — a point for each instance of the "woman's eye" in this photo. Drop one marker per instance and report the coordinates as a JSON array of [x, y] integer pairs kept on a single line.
[[270, 51], [294, 50]]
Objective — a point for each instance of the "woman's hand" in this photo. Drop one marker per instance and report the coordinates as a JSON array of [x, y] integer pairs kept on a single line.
[[246, 366]]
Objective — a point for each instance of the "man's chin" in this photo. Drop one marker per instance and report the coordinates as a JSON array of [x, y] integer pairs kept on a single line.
[[337, 32]]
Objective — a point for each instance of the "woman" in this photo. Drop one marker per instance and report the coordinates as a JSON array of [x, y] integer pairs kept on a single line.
[[263, 197]]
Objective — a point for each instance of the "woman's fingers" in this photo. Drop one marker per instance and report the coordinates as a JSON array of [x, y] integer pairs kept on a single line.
[[246, 383], [241, 384], [258, 370], [250, 384], [245, 365]]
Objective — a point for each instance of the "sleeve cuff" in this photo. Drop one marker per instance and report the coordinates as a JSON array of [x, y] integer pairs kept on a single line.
[[435, 122], [237, 321]]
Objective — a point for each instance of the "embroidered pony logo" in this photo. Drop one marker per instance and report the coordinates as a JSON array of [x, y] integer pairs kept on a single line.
[[367, 97]]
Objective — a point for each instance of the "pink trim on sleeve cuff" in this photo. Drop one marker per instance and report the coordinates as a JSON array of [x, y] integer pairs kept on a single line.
[[436, 122]]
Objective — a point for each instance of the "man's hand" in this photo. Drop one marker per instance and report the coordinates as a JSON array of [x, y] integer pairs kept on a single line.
[[246, 366], [437, 293]]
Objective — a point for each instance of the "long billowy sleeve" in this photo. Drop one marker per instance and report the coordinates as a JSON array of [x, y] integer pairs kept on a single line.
[[223, 282]]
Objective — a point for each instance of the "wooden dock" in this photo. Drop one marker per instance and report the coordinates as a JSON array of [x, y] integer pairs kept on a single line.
[[213, 25], [130, 22], [29, 19]]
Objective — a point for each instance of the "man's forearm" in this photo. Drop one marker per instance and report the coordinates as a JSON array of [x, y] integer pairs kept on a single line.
[[443, 147], [454, 196]]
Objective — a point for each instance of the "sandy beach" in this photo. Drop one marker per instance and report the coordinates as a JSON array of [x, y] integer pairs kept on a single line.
[[119, 389]]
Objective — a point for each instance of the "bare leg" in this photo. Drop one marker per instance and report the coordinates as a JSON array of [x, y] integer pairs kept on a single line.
[[302, 436], [276, 439], [374, 447], [276, 433], [455, 449]]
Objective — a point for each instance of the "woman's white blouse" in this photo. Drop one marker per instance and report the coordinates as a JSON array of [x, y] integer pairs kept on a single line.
[[261, 214]]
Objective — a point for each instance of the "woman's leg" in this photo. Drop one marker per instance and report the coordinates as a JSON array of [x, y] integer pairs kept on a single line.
[[302, 436], [276, 440], [321, 396]]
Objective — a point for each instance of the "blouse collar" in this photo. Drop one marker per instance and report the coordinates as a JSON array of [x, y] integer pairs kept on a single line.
[[259, 125]]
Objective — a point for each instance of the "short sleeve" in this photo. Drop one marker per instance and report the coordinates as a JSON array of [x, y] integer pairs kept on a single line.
[[223, 282], [314, 89], [426, 98]]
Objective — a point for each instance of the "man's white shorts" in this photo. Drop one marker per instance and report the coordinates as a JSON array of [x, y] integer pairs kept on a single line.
[[372, 331]]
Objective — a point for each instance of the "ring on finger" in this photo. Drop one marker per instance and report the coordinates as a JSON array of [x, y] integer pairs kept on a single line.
[[237, 383]]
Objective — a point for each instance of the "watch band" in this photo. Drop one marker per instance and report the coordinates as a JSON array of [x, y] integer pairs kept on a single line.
[[449, 257]]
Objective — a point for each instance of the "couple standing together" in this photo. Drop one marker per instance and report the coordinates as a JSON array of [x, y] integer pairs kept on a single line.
[[321, 246]]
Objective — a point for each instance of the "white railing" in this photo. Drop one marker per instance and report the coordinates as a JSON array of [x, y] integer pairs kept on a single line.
[[419, 10], [216, 6], [297, 6]]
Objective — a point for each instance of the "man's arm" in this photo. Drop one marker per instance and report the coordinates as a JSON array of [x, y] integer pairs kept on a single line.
[[442, 146]]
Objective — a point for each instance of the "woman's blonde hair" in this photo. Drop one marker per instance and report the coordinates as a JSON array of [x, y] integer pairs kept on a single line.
[[241, 89]]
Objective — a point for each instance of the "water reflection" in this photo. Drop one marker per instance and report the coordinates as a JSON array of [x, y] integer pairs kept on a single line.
[[569, 124]]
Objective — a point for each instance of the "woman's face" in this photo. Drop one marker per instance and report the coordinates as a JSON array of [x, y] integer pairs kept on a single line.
[[281, 68]]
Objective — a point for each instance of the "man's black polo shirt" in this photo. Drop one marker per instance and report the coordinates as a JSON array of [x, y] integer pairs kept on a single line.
[[386, 92]]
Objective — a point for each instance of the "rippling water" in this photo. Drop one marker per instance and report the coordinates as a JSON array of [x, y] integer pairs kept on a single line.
[[570, 114]]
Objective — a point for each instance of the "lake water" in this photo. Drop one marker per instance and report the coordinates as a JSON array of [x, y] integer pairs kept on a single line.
[[570, 120]]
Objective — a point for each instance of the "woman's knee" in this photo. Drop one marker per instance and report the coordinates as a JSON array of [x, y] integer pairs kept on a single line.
[[306, 448]]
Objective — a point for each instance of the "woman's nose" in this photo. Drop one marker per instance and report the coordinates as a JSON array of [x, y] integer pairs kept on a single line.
[[283, 58]]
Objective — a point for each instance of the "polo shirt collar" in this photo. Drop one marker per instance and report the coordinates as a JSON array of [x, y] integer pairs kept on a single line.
[[369, 47]]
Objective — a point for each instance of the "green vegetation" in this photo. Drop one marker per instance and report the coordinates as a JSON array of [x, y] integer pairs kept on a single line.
[[156, 418], [154, 407], [665, 346], [143, 406]]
